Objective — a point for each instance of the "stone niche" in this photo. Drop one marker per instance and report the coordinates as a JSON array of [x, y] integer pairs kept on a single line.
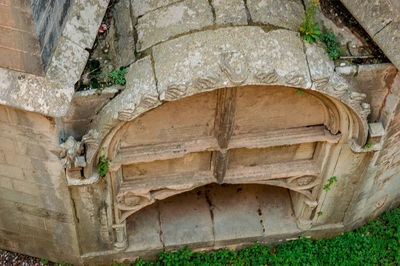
[[225, 167]]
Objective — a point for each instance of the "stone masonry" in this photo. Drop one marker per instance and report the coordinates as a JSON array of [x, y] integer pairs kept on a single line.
[[225, 133]]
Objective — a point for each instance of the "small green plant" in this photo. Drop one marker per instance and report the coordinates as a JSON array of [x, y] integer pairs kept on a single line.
[[319, 213], [103, 165], [118, 76], [331, 44], [309, 27], [300, 92], [44, 261], [330, 182], [368, 145]]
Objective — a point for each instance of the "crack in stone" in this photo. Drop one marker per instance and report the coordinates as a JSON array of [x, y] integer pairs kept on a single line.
[[213, 12], [153, 66], [248, 15], [161, 233], [387, 24], [211, 207]]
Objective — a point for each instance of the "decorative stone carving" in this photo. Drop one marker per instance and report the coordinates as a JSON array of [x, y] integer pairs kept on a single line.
[[321, 83], [91, 145], [126, 115], [149, 101], [267, 77], [234, 65], [294, 79], [175, 91], [356, 98], [128, 201], [365, 110], [71, 154], [205, 82]]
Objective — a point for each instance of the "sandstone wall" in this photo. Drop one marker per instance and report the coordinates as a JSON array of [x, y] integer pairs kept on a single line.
[[36, 212]]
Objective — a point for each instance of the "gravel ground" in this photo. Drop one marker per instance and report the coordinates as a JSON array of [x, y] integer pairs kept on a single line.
[[10, 258]]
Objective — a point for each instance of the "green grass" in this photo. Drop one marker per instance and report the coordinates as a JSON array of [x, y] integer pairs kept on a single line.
[[376, 243]]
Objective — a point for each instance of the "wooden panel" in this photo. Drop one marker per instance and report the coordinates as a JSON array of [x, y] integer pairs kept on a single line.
[[267, 108], [189, 163], [251, 157], [185, 119]]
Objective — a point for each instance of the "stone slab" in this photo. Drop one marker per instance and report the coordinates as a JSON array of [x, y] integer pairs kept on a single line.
[[169, 21], [372, 15], [388, 40], [321, 66], [229, 57], [143, 230], [230, 12], [140, 7], [276, 211], [67, 63], [83, 21], [235, 211], [33, 93], [287, 14], [186, 220]]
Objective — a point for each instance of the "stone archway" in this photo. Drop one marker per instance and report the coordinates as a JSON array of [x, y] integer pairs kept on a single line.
[[241, 135]]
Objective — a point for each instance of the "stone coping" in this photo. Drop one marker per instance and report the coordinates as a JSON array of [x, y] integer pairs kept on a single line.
[[51, 95]]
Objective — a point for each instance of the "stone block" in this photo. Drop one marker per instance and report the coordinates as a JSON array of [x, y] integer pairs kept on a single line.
[[276, 211], [388, 40], [287, 14], [140, 94], [140, 7], [321, 66], [7, 145], [67, 63], [186, 220], [230, 12], [83, 22], [169, 21], [18, 197], [373, 16], [229, 57], [11, 171], [143, 230], [16, 18], [124, 34], [27, 188], [235, 212], [6, 182]]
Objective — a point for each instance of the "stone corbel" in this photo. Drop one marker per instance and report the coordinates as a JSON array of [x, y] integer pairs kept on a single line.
[[78, 157], [376, 132]]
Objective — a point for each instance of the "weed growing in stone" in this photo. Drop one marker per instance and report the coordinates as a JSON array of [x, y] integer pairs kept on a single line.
[[331, 44], [309, 27], [102, 166], [368, 145], [330, 182], [319, 213], [376, 243], [118, 76]]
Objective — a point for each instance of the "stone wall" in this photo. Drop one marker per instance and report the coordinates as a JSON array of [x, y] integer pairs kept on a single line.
[[49, 17], [36, 212], [19, 48]]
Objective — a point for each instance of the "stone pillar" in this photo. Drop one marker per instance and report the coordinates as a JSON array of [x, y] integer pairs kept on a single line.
[[121, 242]]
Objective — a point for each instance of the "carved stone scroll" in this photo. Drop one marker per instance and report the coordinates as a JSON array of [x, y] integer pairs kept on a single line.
[[234, 65], [121, 238], [71, 154], [294, 79], [175, 91], [267, 77]]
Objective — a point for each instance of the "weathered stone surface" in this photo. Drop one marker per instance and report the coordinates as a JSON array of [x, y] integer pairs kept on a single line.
[[388, 40], [139, 95], [84, 21], [167, 22], [321, 66], [84, 106], [281, 13], [381, 19], [143, 230], [373, 16], [33, 93], [67, 63], [140, 7], [124, 34], [229, 57], [230, 12], [186, 221], [235, 212]]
